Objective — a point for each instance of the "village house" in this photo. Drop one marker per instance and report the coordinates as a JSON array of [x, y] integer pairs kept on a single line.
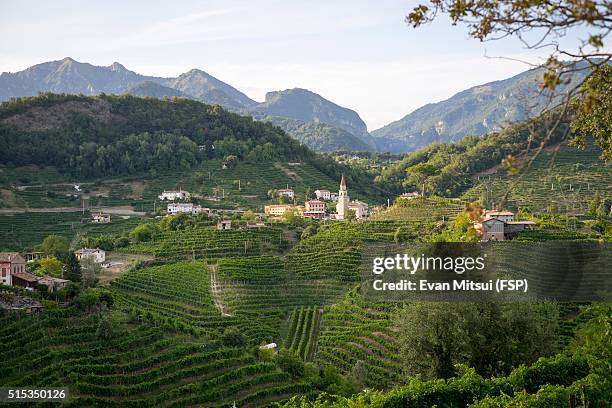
[[224, 225], [286, 192], [24, 279], [173, 195], [53, 284], [97, 254], [361, 209], [333, 196], [277, 210], [100, 218], [410, 195], [323, 195], [499, 225], [10, 263], [314, 209], [189, 208]]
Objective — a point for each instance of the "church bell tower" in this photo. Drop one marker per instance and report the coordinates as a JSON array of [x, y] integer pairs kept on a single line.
[[343, 200]]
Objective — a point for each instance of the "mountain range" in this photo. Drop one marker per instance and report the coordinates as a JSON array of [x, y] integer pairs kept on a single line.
[[305, 115]]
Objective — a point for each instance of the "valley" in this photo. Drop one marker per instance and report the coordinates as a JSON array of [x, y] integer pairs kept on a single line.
[[210, 299]]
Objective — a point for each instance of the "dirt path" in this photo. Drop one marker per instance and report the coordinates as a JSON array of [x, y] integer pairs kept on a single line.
[[215, 290]]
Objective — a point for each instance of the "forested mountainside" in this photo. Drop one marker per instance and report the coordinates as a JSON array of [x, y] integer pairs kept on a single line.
[[73, 77], [447, 169], [117, 135], [486, 108], [320, 137]]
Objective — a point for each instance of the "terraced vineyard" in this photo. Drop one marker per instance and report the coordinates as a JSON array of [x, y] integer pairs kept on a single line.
[[246, 184], [357, 330], [303, 330], [422, 210], [208, 242], [566, 179], [139, 366], [23, 230]]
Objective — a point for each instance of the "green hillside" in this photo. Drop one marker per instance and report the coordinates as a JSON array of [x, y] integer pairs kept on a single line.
[[90, 138], [565, 179]]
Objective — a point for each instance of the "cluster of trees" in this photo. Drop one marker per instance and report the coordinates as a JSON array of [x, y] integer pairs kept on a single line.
[[490, 337], [136, 153]]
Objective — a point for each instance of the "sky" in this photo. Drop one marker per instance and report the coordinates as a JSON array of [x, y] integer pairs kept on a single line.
[[359, 54]]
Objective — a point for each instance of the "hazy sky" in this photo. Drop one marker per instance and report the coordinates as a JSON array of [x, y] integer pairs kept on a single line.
[[359, 54]]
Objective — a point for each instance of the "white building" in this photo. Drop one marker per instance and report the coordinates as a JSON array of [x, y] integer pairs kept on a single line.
[[97, 254], [100, 218], [343, 201], [361, 209], [286, 192], [323, 195], [224, 225], [410, 195], [173, 195], [188, 208]]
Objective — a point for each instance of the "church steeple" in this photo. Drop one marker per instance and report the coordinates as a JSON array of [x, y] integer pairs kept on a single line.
[[342, 206]]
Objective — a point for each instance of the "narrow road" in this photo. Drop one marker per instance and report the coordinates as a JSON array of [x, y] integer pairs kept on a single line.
[[118, 210], [215, 290]]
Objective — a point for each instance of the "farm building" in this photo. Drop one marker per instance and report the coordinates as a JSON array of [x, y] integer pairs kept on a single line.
[[100, 218], [173, 195], [24, 279], [52, 283], [188, 208], [224, 225], [499, 225], [98, 255]]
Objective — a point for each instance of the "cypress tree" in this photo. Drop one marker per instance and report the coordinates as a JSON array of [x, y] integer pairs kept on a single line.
[[73, 268]]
